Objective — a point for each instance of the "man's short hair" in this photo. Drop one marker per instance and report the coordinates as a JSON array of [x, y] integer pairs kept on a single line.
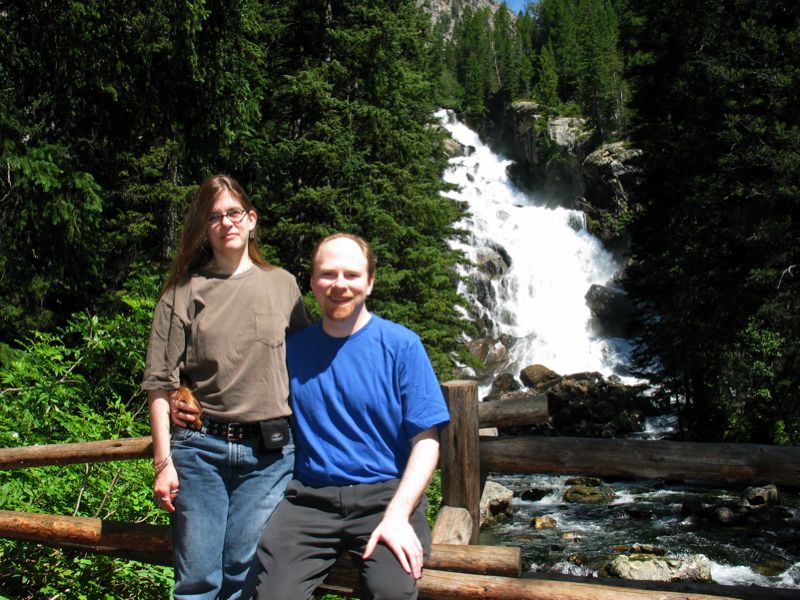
[[362, 243]]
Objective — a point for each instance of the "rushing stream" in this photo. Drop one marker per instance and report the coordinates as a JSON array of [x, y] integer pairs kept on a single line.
[[537, 308]]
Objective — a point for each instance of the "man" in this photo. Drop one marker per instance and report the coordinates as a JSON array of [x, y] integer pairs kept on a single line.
[[367, 407]]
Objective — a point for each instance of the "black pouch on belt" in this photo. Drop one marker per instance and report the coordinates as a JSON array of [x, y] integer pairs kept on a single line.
[[274, 433]]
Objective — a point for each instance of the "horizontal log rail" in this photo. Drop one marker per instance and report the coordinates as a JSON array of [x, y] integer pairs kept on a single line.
[[454, 572], [638, 459], [509, 412], [451, 585], [75, 453], [642, 459], [152, 543]]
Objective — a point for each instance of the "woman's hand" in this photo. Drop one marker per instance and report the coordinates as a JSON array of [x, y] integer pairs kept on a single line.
[[166, 487]]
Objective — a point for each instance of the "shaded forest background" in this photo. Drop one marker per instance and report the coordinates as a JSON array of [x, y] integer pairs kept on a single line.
[[112, 111]]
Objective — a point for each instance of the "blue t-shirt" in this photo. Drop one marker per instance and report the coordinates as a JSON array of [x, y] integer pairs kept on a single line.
[[358, 401]]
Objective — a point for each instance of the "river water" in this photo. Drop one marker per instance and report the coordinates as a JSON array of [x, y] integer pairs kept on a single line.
[[538, 309]]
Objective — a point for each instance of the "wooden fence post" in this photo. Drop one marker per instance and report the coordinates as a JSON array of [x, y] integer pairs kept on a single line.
[[460, 461]]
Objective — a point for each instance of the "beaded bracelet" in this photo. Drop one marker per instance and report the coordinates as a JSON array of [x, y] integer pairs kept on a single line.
[[163, 464]]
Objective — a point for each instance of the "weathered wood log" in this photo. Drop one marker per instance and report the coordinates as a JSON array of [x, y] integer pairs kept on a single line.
[[449, 585], [460, 469], [152, 543], [732, 463], [693, 588], [504, 561], [147, 543], [675, 461], [80, 452], [529, 410], [453, 526], [442, 585], [456, 586]]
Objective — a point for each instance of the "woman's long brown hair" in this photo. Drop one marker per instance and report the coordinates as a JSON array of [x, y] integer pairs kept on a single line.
[[194, 249]]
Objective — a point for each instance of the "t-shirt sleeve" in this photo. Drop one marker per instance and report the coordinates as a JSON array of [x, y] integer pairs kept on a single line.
[[423, 402], [167, 347]]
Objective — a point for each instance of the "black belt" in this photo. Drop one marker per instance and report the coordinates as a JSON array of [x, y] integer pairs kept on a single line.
[[232, 431]]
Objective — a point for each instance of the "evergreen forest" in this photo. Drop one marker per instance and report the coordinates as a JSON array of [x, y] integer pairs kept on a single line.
[[112, 111]]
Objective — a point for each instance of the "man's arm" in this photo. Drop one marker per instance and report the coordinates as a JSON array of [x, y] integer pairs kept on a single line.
[[394, 530]]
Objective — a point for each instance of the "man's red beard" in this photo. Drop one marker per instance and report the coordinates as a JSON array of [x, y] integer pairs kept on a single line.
[[339, 311]]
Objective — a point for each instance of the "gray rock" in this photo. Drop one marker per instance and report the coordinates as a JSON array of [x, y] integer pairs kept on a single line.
[[492, 261], [608, 172], [502, 384], [495, 502], [648, 567], [539, 377], [544, 522], [568, 134], [767, 495], [453, 148], [611, 308], [489, 351], [583, 494]]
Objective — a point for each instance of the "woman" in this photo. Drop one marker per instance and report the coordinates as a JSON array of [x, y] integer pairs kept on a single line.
[[219, 329]]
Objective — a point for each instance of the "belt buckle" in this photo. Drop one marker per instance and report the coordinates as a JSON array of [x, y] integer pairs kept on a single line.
[[230, 432]]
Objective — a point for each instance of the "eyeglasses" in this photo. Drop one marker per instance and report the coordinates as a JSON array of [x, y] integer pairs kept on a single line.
[[235, 215]]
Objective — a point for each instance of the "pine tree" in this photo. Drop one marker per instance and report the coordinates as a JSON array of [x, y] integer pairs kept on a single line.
[[506, 60], [715, 246], [556, 22], [476, 68], [547, 86], [599, 68], [112, 113], [525, 55], [350, 147]]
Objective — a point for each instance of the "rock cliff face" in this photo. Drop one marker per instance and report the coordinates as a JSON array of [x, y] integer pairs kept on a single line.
[[609, 173], [560, 161], [439, 8]]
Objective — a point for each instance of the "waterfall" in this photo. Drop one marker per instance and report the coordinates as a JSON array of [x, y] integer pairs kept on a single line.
[[534, 265], [544, 261]]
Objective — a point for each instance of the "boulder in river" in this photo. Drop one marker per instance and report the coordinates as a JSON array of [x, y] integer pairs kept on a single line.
[[649, 567], [584, 494], [539, 377], [495, 503], [544, 522]]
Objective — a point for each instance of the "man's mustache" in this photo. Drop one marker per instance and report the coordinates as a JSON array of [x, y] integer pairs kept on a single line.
[[348, 295]]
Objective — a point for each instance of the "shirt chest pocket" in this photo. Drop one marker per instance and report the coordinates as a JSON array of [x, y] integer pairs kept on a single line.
[[269, 326]]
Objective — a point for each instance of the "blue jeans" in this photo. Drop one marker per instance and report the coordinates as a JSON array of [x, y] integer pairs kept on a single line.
[[228, 490]]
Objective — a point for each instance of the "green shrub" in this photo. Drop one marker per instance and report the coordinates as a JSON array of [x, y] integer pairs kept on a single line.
[[81, 384]]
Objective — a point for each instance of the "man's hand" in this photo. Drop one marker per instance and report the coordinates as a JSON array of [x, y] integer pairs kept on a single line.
[[395, 530], [399, 536], [183, 413]]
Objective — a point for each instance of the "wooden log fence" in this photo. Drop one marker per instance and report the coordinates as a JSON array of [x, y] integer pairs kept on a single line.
[[456, 572], [638, 459], [525, 410], [458, 567], [459, 458], [153, 542], [81, 452]]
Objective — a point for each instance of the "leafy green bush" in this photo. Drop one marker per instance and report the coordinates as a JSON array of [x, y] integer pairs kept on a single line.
[[81, 384]]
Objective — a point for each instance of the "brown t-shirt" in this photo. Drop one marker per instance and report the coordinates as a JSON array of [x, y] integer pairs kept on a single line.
[[226, 335]]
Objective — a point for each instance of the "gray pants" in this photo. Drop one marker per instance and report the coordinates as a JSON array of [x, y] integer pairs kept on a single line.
[[312, 526]]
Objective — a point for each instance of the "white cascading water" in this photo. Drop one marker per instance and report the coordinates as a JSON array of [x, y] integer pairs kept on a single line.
[[539, 302]]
